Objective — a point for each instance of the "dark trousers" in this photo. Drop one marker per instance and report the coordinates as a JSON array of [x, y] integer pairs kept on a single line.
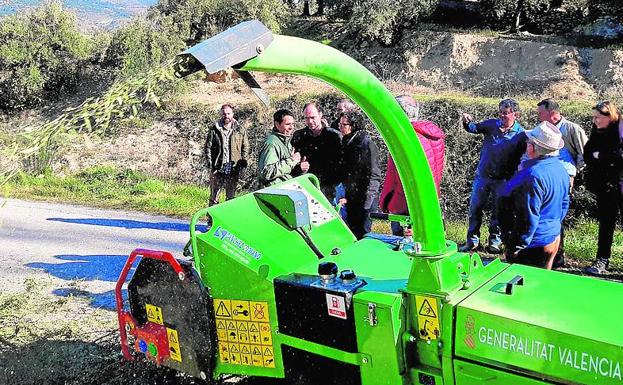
[[220, 180], [484, 190], [542, 256], [358, 213], [609, 205]]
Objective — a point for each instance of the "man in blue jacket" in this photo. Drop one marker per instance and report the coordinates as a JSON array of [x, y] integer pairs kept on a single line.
[[535, 201], [493, 170]]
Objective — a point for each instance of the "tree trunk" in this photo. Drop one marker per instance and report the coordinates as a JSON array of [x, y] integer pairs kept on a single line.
[[306, 11], [517, 16], [320, 11]]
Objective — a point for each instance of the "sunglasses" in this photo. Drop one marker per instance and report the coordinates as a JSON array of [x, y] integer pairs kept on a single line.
[[602, 107]]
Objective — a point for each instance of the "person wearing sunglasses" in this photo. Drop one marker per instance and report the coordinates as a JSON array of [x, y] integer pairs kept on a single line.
[[604, 162]]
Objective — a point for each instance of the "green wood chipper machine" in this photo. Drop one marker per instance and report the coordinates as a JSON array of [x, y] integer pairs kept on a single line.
[[278, 287]]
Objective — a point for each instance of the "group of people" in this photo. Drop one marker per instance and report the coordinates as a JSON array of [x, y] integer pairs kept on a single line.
[[527, 175]]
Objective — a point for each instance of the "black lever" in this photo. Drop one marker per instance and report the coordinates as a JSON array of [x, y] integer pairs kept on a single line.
[[518, 280]]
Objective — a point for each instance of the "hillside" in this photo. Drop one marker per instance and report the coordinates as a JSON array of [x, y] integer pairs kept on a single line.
[[92, 14]]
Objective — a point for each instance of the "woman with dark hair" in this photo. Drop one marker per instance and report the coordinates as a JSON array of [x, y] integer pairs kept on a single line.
[[360, 172], [604, 163]]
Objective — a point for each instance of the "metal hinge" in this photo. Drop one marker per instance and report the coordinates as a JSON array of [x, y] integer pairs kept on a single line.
[[372, 320]]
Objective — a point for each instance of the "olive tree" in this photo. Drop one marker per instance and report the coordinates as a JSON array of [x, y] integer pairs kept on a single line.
[[42, 54]]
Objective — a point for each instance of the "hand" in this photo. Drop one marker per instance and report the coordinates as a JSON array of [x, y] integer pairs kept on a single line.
[[596, 154], [466, 118], [304, 165], [296, 157]]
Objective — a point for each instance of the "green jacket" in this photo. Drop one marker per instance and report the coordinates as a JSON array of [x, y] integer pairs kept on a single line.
[[275, 162], [238, 146]]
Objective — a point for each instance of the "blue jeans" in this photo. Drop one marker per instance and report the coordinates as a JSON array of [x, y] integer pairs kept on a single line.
[[484, 189]]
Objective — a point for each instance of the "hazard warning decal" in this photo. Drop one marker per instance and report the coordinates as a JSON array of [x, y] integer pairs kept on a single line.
[[427, 317], [244, 333], [174, 345], [154, 314]]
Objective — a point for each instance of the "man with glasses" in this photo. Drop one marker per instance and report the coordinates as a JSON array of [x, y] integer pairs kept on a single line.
[[493, 170], [535, 201]]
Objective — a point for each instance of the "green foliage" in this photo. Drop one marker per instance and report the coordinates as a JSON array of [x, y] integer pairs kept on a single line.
[[538, 16], [195, 20], [381, 20], [607, 8], [41, 55], [142, 45]]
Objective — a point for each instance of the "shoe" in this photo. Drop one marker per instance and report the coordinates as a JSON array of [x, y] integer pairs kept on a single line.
[[599, 267], [468, 247], [493, 249]]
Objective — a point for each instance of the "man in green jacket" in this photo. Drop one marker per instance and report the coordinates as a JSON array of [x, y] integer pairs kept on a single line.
[[278, 161]]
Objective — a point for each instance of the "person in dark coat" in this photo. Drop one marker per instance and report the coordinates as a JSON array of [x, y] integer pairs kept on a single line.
[[319, 145], [604, 162], [360, 173]]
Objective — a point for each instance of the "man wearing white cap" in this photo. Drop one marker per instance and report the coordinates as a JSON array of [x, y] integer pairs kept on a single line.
[[535, 201]]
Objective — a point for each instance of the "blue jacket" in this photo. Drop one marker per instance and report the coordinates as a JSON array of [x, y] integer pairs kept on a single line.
[[534, 202], [496, 148]]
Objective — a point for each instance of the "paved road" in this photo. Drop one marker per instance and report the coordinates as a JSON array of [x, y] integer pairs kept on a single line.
[[77, 248]]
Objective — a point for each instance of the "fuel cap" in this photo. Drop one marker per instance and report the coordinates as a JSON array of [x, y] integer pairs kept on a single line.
[[327, 270], [347, 275]]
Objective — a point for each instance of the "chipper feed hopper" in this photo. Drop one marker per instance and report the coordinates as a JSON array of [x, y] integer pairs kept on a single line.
[[278, 286]]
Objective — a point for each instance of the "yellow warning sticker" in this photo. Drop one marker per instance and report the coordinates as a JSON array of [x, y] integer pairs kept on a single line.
[[222, 308], [223, 352], [259, 312], [427, 317], [244, 333], [254, 333], [234, 352], [245, 354], [266, 337], [154, 314], [240, 310], [174, 345], [269, 357]]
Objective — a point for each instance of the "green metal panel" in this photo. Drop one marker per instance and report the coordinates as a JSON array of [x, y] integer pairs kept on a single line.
[[381, 341], [560, 325], [241, 231], [294, 55], [473, 374], [238, 260]]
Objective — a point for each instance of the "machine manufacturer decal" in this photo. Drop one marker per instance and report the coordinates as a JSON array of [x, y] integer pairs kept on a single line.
[[227, 237], [427, 317], [336, 306], [154, 314], [244, 333]]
